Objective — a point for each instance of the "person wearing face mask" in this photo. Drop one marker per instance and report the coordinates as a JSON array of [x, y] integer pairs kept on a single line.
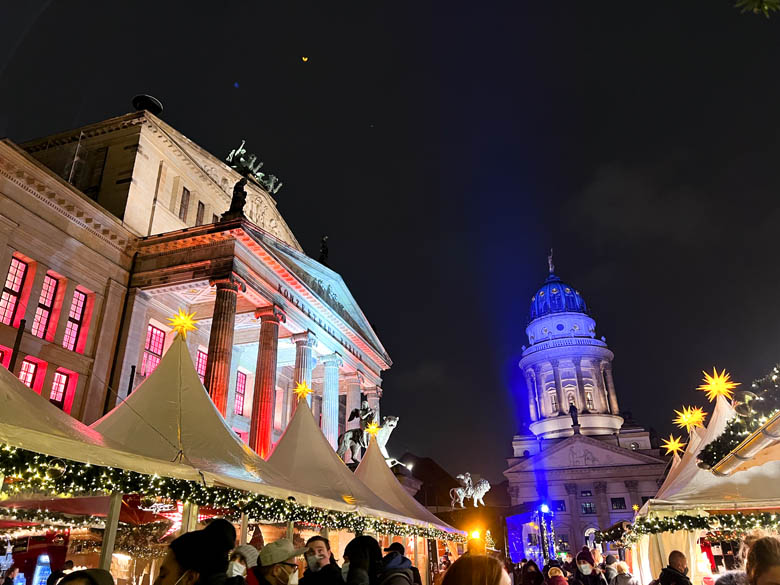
[[200, 557], [321, 567], [676, 573], [242, 560], [530, 574], [586, 572], [276, 564], [363, 564]]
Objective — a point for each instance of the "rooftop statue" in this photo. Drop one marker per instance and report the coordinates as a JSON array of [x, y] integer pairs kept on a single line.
[[469, 490], [249, 166]]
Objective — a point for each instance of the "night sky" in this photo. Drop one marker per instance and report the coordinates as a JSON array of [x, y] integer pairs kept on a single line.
[[445, 148]]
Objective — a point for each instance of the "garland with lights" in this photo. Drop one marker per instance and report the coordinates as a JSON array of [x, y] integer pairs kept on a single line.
[[765, 404], [26, 471], [45, 517]]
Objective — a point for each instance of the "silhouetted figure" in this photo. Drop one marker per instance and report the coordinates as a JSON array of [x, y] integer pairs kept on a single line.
[[324, 250], [575, 418]]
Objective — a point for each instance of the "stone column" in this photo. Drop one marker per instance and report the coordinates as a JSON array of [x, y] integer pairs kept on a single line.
[[223, 323], [632, 486], [575, 537], [261, 425], [613, 402], [598, 380], [354, 382], [330, 399], [563, 404], [581, 385], [304, 362], [373, 395], [602, 504], [541, 395], [131, 341], [531, 383]]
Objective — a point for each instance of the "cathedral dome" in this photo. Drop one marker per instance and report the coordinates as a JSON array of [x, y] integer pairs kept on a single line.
[[555, 296]]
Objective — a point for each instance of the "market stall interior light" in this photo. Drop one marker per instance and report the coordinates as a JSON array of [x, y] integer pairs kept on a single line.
[[475, 534]]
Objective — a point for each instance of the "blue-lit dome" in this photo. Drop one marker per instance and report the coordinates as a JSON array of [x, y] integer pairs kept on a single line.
[[555, 296]]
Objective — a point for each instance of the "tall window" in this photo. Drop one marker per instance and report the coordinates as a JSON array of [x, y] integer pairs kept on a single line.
[[185, 204], [45, 305], [559, 505], [240, 392], [28, 372], [75, 320], [58, 388], [214, 218], [9, 300], [618, 503], [200, 213], [589, 401], [554, 402], [200, 364], [153, 349], [588, 508]]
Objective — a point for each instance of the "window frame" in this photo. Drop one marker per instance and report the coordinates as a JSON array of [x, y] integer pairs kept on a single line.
[[43, 308], [59, 403], [588, 508], [241, 379], [200, 364], [74, 322], [184, 204], [617, 501], [553, 401], [589, 404], [558, 505], [586, 493], [150, 354], [200, 214], [15, 294], [24, 371]]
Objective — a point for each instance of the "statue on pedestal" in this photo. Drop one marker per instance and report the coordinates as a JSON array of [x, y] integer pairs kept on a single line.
[[237, 202], [469, 490], [574, 414]]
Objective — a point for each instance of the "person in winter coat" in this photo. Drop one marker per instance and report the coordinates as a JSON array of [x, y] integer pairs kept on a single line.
[[476, 570], [555, 576], [401, 549], [530, 574], [623, 577], [276, 564], [763, 562], [242, 560], [88, 577], [321, 567], [200, 557], [364, 565], [610, 570], [676, 573], [586, 573]]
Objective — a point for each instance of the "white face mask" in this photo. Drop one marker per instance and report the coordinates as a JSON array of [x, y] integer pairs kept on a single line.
[[314, 562], [236, 569], [585, 569], [345, 570], [293, 579]]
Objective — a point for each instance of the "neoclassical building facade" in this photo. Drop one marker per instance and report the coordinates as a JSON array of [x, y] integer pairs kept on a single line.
[[108, 230], [591, 474]]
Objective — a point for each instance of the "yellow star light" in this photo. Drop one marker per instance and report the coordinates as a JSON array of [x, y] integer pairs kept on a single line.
[[373, 428], [673, 445], [302, 390], [718, 385], [183, 322], [690, 417], [635, 508]]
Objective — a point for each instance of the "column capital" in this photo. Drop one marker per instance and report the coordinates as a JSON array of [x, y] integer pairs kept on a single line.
[[374, 391], [332, 360], [307, 338], [600, 487], [356, 377], [571, 488], [631, 484], [554, 363], [271, 313], [231, 282]]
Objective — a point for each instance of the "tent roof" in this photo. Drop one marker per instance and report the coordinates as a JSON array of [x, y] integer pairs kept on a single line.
[[377, 476], [304, 455]]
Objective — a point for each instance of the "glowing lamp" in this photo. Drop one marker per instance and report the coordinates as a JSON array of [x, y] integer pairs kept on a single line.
[[475, 535], [544, 508], [183, 322], [302, 390]]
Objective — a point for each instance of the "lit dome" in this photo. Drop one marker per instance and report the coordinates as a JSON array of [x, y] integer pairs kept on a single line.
[[555, 296]]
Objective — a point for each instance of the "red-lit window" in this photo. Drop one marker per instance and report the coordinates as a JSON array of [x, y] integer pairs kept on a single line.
[[153, 349], [58, 388], [75, 320], [45, 305], [200, 364], [12, 290], [240, 392], [27, 373]]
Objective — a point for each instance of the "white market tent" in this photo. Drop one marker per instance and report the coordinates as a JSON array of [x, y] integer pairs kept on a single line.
[[377, 476]]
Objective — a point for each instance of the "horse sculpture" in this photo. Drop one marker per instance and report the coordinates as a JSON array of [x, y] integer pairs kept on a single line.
[[475, 492], [351, 441]]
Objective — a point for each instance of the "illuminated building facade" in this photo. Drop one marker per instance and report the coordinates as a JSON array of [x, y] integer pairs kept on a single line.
[[592, 474], [107, 230]]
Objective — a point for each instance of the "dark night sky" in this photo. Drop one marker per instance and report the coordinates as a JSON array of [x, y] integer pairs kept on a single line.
[[445, 148]]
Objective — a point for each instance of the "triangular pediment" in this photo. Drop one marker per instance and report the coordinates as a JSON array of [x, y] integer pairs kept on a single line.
[[581, 451]]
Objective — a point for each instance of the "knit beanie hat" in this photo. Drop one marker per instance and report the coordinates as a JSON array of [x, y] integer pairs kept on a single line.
[[249, 553], [584, 555], [555, 572]]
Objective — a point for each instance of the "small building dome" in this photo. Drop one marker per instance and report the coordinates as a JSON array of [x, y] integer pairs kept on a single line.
[[555, 296]]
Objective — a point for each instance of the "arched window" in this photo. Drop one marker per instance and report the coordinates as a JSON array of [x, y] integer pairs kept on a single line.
[[570, 398], [589, 400], [553, 402]]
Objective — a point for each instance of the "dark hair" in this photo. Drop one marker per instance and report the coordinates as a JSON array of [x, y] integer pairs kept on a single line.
[[764, 554], [365, 548], [474, 570], [675, 558], [68, 564], [318, 538], [206, 551]]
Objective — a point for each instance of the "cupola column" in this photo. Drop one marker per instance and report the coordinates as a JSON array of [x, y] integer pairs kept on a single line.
[[563, 404], [598, 378], [531, 384], [580, 385], [613, 403]]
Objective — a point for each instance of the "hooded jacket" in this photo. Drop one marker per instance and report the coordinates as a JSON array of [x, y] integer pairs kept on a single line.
[[396, 570], [330, 574], [670, 576], [593, 579], [624, 579]]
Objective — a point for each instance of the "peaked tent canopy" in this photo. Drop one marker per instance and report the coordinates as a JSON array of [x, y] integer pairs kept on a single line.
[[304, 455], [377, 476]]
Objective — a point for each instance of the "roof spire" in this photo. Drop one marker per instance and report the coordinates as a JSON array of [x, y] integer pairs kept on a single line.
[[550, 264]]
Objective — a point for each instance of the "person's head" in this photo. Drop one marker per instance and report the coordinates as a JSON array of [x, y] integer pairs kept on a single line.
[[13, 572], [678, 562], [193, 555], [242, 559], [68, 566], [317, 553], [396, 547], [610, 560], [569, 558], [763, 562], [476, 570], [276, 563], [88, 577], [555, 572], [364, 404], [621, 567], [365, 551], [596, 554], [531, 567], [585, 562]]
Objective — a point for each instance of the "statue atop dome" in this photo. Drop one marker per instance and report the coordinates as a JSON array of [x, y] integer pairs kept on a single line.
[[550, 264]]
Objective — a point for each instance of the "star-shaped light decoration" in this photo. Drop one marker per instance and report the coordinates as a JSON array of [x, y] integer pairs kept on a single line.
[[183, 322], [673, 445], [718, 385], [302, 390], [373, 428], [690, 417], [349, 499], [635, 508]]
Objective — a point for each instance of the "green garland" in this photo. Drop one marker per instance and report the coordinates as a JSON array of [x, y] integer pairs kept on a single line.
[[56, 519], [767, 403], [26, 471]]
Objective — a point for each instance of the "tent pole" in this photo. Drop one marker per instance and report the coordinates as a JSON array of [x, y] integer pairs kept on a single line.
[[244, 529], [290, 530], [324, 532], [189, 517], [109, 536]]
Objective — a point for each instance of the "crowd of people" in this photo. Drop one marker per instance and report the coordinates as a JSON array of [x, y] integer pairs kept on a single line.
[[211, 557]]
